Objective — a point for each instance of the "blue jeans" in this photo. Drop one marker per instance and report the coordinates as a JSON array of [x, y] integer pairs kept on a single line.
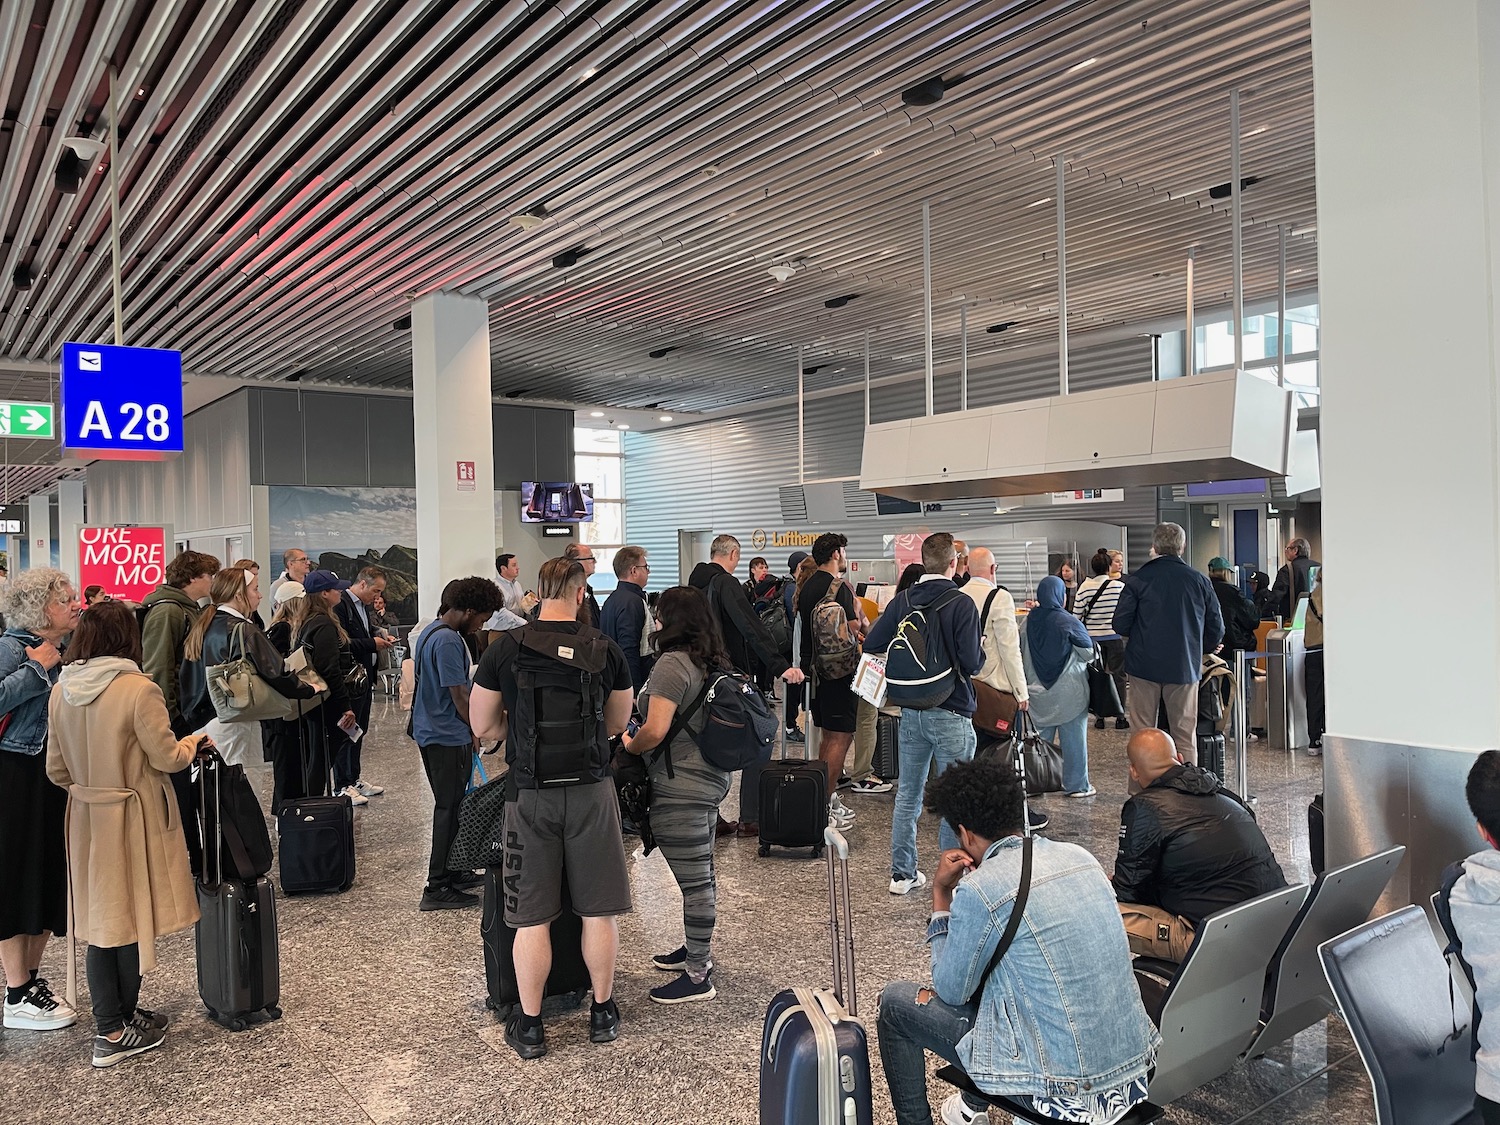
[[1073, 739], [909, 1027], [926, 736]]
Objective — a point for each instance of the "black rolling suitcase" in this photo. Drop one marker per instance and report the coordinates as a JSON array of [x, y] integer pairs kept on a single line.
[[1211, 753], [239, 960], [569, 976], [815, 1057], [317, 840], [793, 800], [887, 764]]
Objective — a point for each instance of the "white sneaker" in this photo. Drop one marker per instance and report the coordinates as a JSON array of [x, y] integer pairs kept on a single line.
[[368, 790], [956, 1111], [839, 815], [39, 1010], [356, 798], [903, 886]]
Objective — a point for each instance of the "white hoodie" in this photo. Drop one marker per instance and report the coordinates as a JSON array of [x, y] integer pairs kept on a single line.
[[83, 683], [1476, 916]]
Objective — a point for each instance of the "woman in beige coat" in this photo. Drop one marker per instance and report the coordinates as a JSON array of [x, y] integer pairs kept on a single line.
[[110, 745]]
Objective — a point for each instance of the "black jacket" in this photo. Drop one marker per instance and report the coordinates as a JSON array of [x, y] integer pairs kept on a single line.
[[1240, 616], [321, 639], [1191, 848], [361, 640], [623, 620], [1292, 581], [744, 633]]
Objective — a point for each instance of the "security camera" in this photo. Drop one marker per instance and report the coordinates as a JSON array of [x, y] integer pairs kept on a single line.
[[85, 148]]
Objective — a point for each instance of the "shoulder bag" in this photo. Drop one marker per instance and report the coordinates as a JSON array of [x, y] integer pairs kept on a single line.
[[239, 692], [1013, 923], [1043, 759]]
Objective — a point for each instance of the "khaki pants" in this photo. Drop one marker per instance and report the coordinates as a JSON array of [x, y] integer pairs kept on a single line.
[[1182, 715], [1152, 932], [864, 740]]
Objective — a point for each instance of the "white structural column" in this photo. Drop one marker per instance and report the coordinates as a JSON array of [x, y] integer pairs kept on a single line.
[[454, 421], [1408, 180], [69, 518], [39, 530]]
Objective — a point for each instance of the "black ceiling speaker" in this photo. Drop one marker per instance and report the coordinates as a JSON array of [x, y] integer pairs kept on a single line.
[[403, 324], [840, 302], [929, 92], [995, 329], [809, 370], [70, 172], [522, 393], [1225, 190], [569, 258], [661, 353], [295, 377], [22, 277]]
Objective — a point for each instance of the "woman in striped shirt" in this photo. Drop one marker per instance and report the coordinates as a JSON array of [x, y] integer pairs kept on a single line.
[[1094, 605]]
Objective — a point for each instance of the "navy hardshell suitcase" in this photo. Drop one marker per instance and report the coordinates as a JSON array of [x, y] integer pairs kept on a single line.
[[238, 953], [815, 1057]]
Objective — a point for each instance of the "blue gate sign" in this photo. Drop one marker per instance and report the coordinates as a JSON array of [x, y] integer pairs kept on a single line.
[[121, 404]]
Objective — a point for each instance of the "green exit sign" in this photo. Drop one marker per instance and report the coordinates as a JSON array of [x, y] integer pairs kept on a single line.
[[26, 419]]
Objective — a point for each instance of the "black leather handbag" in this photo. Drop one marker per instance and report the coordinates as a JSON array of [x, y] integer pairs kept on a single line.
[[1044, 760]]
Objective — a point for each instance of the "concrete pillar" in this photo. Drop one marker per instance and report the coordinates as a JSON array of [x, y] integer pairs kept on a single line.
[[1408, 181], [70, 516], [454, 442], [39, 528]]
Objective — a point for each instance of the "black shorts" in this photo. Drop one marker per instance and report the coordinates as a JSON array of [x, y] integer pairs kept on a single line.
[[834, 705], [572, 827]]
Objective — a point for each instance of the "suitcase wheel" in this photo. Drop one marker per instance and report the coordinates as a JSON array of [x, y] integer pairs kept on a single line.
[[817, 852], [236, 1024], [273, 1012], [489, 1003], [764, 850]]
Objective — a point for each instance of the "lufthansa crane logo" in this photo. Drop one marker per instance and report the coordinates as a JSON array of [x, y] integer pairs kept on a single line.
[[757, 540]]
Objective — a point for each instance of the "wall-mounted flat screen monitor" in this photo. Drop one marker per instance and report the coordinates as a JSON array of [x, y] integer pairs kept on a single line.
[[557, 502]]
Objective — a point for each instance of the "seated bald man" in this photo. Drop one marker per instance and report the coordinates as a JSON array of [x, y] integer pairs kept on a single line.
[[1188, 848]]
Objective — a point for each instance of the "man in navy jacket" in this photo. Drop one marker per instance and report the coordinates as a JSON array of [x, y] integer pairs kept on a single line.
[[1170, 616], [623, 618], [944, 733]]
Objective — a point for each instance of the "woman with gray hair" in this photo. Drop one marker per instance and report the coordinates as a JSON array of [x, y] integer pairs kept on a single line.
[[41, 608]]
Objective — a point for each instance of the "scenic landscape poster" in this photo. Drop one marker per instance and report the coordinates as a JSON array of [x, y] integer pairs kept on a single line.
[[346, 529]]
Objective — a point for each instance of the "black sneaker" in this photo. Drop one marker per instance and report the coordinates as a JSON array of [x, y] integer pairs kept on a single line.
[[684, 991], [1036, 819], [604, 1022], [1122, 723], [465, 880], [671, 962], [134, 1040], [793, 734], [846, 782], [446, 898], [530, 1042], [145, 1017], [1098, 724]]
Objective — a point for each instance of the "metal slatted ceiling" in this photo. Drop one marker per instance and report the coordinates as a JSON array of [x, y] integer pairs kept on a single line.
[[293, 170]]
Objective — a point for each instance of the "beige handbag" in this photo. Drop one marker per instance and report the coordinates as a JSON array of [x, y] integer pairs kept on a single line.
[[240, 693]]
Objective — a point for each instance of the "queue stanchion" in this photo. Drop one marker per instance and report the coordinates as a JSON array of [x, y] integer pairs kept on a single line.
[[1242, 725]]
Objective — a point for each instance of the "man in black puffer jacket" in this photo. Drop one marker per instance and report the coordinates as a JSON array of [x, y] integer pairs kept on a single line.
[[1188, 848]]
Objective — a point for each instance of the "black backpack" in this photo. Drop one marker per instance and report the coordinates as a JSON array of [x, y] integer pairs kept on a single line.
[[559, 715], [739, 725], [1443, 908], [772, 613], [919, 672]]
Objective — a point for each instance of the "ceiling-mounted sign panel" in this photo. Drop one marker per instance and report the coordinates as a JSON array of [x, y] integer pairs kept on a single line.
[[121, 404]]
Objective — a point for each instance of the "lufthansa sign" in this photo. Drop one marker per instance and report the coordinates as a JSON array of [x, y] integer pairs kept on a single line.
[[760, 539]]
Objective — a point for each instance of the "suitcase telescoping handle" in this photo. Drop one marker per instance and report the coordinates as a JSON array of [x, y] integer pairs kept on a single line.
[[841, 918], [205, 762]]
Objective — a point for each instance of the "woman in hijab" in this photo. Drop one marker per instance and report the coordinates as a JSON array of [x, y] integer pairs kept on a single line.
[[1056, 650]]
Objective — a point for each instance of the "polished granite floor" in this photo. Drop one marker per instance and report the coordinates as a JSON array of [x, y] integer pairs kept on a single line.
[[385, 1020]]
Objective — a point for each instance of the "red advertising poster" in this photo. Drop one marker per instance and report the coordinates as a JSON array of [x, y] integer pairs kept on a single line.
[[129, 562], [909, 549]]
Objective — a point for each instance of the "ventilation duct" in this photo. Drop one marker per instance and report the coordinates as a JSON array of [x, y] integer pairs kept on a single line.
[[1218, 426]]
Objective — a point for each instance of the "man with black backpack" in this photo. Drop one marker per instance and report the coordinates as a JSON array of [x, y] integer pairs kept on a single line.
[[165, 618], [930, 635], [557, 691]]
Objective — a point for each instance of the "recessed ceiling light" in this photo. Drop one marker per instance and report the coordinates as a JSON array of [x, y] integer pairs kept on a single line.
[[1084, 63], [877, 152], [1257, 131], [665, 418], [596, 414], [590, 72], [1039, 202], [623, 426]]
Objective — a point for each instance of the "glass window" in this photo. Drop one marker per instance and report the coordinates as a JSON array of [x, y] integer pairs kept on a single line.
[[604, 473], [596, 441], [607, 526]]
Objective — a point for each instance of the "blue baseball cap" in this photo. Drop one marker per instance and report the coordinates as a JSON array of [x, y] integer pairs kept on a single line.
[[320, 580]]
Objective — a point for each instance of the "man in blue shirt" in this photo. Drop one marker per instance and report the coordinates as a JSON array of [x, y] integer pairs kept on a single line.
[[440, 724]]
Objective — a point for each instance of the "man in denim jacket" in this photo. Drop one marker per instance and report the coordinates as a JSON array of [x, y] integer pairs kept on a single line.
[[1058, 1025]]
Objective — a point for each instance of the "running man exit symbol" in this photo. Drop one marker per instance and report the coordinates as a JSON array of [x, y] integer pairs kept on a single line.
[[26, 419]]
